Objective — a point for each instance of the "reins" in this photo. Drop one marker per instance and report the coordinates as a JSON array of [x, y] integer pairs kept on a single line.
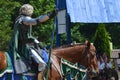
[[68, 64], [56, 67], [48, 65], [84, 55]]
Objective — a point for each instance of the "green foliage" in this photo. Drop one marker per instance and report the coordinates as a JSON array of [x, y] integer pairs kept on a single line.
[[114, 30], [6, 10], [76, 35], [9, 10], [43, 31], [79, 32], [102, 39], [88, 30]]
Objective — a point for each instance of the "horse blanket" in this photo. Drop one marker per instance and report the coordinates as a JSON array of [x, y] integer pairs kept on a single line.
[[9, 66], [72, 70]]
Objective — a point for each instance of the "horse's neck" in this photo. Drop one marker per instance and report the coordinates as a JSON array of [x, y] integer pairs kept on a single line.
[[56, 63], [72, 54]]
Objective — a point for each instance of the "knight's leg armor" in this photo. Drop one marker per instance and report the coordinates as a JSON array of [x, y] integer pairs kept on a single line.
[[38, 59]]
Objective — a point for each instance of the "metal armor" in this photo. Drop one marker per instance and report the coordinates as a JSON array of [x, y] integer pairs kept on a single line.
[[26, 20]]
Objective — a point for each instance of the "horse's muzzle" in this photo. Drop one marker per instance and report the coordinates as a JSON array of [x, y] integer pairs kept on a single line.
[[92, 73]]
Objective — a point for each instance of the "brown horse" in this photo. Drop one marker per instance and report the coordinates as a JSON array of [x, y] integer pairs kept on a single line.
[[3, 62], [78, 53]]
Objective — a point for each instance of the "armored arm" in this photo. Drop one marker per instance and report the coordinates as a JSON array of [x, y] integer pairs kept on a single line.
[[49, 15], [34, 21], [42, 18], [28, 21]]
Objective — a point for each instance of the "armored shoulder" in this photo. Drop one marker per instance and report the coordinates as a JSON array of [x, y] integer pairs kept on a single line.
[[29, 21]]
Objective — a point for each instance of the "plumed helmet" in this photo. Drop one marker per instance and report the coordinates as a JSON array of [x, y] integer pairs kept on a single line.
[[26, 9]]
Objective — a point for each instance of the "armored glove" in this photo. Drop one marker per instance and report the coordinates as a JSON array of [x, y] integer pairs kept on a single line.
[[53, 13]]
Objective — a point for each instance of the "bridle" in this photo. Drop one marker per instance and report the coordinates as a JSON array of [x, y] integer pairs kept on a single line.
[[85, 53], [91, 71]]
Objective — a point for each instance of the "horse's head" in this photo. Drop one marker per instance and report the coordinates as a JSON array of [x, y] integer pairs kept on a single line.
[[90, 59], [84, 54]]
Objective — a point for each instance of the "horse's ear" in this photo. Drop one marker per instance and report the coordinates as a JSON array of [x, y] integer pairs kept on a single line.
[[87, 44], [86, 41]]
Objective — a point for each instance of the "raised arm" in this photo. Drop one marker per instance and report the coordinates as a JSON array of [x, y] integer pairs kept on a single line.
[[34, 21]]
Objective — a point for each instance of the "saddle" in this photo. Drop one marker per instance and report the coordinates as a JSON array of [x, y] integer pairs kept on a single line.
[[3, 62]]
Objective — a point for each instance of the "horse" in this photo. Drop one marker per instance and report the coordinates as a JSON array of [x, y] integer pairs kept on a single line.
[[83, 54], [8, 75], [76, 53]]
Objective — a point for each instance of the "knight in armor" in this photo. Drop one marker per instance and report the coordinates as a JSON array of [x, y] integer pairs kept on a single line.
[[23, 46]]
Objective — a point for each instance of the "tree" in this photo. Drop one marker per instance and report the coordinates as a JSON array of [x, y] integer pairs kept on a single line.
[[43, 31], [9, 10], [114, 30], [76, 34], [88, 30], [6, 10], [102, 39]]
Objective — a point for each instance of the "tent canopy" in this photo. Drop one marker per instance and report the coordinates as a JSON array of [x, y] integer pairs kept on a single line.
[[94, 11]]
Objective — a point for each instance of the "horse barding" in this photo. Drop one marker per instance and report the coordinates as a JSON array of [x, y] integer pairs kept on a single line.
[[83, 54]]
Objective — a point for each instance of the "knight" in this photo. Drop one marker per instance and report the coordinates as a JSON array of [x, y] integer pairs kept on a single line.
[[23, 46]]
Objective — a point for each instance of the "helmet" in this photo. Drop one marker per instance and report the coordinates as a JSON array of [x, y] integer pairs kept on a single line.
[[26, 9]]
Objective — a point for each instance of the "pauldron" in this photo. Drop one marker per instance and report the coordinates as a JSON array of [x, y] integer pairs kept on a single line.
[[26, 20]]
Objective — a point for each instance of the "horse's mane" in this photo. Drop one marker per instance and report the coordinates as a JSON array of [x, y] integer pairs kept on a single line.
[[72, 45], [86, 43]]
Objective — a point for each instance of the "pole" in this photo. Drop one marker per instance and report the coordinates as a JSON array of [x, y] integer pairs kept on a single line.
[[48, 65], [50, 52]]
